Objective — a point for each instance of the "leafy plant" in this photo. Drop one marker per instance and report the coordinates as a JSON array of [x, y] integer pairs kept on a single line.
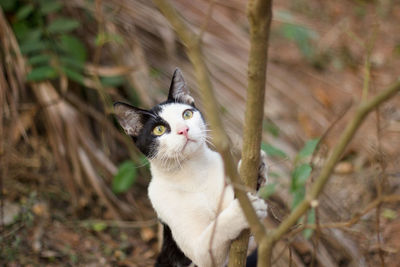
[[47, 39], [125, 177], [307, 233], [301, 35], [301, 172], [273, 151]]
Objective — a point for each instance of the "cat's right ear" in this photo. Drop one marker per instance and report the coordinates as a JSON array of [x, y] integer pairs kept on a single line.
[[178, 90], [130, 118]]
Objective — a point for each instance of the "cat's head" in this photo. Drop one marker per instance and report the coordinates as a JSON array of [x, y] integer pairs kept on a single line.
[[169, 132]]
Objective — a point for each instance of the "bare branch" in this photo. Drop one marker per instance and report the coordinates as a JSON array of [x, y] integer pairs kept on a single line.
[[259, 15], [363, 110], [207, 20]]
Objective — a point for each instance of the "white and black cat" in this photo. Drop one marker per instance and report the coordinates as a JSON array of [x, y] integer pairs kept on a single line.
[[188, 180]]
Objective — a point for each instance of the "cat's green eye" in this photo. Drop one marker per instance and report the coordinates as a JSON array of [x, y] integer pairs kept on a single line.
[[159, 130], [187, 114]]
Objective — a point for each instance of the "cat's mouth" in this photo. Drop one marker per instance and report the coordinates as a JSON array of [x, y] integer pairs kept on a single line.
[[188, 140]]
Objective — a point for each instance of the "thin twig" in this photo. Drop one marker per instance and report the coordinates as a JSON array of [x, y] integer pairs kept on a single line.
[[341, 225], [363, 110], [206, 21], [119, 223]]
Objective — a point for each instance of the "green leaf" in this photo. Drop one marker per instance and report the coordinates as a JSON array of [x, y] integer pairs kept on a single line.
[[99, 226], [266, 191], [113, 81], [271, 128], [104, 37], [42, 73], [32, 46], [20, 29], [73, 46], [273, 151], [308, 148], [301, 35], [63, 25], [273, 174], [307, 233], [125, 177], [72, 63], [39, 59], [24, 12], [298, 196], [33, 35], [50, 7], [8, 5], [389, 214], [74, 76], [300, 176], [283, 15]]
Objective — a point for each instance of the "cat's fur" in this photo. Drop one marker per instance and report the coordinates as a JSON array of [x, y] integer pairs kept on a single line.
[[188, 180]]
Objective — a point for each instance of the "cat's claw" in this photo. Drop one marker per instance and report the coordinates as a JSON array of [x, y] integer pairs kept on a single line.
[[259, 205], [262, 170]]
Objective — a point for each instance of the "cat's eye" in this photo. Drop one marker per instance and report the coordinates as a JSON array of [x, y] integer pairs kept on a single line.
[[159, 130], [187, 114]]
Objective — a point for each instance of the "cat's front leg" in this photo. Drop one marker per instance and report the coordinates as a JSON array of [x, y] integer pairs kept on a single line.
[[215, 240]]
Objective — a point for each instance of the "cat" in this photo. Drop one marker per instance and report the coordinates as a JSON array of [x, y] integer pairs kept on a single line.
[[188, 180]]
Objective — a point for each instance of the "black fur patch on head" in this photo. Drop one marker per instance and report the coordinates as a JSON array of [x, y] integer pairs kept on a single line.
[[146, 141], [139, 123]]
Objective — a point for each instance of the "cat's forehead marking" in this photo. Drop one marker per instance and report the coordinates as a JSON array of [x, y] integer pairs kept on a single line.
[[173, 111]]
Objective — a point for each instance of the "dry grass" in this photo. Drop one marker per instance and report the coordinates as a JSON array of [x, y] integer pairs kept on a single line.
[[54, 131]]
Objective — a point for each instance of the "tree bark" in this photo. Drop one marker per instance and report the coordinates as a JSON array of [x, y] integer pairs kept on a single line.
[[259, 14]]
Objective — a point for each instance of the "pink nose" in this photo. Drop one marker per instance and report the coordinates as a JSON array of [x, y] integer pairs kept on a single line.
[[184, 131]]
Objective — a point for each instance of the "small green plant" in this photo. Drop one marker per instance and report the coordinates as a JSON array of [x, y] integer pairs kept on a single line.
[[125, 177], [301, 35], [300, 175], [301, 172], [47, 39], [273, 151]]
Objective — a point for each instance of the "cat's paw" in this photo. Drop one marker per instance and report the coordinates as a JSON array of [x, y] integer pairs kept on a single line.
[[259, 205], [240, 222], [262, 170]]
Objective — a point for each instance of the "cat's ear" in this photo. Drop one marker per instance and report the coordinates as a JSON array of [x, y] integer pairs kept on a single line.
[[130, 118], [178, 91]]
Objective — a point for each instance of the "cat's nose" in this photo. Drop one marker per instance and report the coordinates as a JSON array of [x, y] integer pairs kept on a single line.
[[183, 131]]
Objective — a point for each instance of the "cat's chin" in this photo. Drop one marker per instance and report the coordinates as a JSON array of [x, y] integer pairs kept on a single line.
[[190, 148], [177, 160]]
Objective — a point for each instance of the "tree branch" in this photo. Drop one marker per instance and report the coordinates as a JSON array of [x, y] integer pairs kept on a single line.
[[363, 110], [259, 13]]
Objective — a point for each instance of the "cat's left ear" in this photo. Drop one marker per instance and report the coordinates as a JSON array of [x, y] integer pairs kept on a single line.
[[178, 91], [130, 118]]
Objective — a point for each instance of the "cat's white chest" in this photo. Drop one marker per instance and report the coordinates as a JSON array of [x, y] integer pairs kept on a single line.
[[194, 192]]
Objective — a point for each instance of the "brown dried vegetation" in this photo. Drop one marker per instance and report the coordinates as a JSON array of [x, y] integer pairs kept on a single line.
[[59, 146]]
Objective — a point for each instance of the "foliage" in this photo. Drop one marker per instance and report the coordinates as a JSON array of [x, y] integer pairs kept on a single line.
[[301, 35], [301, 172], [273, 151], [125, 177], [307, 233], [48, 39]]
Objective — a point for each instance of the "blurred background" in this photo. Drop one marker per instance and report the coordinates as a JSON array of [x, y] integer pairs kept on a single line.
[[73, 186]]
